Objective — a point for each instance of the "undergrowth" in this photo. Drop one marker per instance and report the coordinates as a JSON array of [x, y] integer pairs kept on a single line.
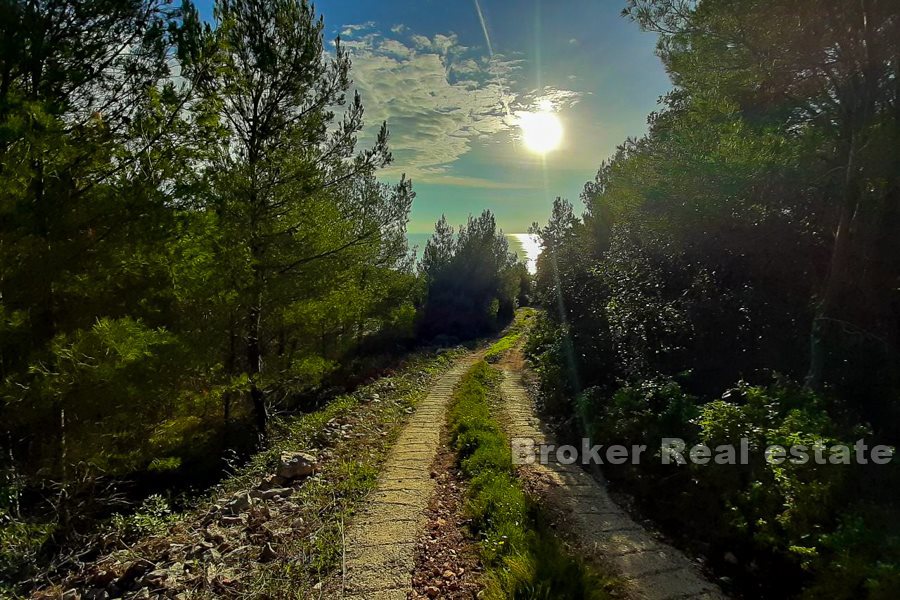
[[312, 551]]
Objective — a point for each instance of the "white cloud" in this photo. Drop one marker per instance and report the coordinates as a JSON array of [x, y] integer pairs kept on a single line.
[[467, 67], [555, 97], [438, 98], [421, 42], [395, 48], [350, 30], [445, 43]]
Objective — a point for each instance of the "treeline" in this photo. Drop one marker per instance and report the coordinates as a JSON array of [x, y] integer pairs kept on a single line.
[[474, 283], [190, 240], [735, 275]]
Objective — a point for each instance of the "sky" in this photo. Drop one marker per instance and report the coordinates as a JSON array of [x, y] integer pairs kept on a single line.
[[454, 102]]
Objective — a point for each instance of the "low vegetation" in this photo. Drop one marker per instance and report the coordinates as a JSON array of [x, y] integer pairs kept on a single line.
[[513, 334], [522, 557]]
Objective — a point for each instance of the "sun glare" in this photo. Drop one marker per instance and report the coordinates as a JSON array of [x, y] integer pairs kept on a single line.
[[542, 131], [531, 247]]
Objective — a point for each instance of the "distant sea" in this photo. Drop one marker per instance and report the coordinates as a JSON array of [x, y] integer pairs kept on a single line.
[[524, 245]]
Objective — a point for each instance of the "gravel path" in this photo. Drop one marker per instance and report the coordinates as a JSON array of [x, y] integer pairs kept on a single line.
[[650, 569], [381, 542]]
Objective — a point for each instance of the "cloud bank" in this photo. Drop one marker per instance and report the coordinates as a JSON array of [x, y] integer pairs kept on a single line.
[[438, 97]]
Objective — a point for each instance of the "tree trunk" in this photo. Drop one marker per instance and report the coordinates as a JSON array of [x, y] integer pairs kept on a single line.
[[838, 272], [63, 458], [230, 365], [254, 364]]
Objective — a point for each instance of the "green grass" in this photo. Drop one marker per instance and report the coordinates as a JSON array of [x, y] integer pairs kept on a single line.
[[523, 559], [520, 325], [501, 346]]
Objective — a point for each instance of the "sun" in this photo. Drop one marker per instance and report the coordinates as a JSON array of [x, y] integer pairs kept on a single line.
[[542, 131]]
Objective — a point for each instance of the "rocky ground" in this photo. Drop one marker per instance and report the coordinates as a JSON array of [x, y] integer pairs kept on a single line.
[[447, 564], [273, 530], [204, 555]]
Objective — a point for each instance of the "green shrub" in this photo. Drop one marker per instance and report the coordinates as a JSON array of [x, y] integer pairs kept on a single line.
[[816, 521], [642, 413], [787, 507], [546, 348], [814, 516], [153, 517], [860, 558], [20, 542]]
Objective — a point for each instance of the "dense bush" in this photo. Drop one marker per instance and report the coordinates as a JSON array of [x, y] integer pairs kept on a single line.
[[816, 519]]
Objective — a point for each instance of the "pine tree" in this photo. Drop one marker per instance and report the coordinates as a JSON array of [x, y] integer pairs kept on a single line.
[[288, 185]]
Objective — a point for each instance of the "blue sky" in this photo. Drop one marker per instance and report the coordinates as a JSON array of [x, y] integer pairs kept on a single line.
[[451, 105]]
